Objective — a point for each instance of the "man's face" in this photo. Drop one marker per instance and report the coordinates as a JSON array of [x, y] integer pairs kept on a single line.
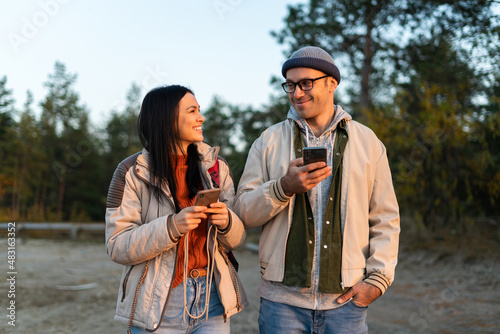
[[317, 103]]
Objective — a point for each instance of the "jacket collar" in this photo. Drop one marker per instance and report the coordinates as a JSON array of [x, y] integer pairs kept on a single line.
[[207, 154], [340, 114]]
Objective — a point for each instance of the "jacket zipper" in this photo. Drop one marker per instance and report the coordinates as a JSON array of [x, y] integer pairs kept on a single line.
[[168, 295]]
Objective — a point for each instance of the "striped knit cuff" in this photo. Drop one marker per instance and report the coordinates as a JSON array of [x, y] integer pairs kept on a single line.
[[277, 192], [378, 280]]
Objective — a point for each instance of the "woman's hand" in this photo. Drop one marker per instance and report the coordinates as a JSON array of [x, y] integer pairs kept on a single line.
[[189, 218], [218, 215]]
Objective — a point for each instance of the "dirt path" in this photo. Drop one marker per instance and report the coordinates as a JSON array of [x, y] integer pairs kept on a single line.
[[442, 293]]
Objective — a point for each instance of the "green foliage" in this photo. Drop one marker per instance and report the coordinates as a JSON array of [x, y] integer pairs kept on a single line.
[[28, 155], [65, 133], [437, 136], [220, 116], [121, 138], [6, 128]]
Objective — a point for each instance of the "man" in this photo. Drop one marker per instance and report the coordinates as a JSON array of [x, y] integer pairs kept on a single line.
[[330, 231]]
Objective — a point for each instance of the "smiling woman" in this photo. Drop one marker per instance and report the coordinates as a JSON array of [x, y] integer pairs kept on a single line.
[[189, 123], [172, 248]]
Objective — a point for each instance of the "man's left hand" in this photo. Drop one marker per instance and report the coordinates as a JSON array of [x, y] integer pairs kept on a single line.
[[362, 294]]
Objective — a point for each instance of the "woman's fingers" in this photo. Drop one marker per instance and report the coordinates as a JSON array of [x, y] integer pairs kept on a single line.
[[189, 218]]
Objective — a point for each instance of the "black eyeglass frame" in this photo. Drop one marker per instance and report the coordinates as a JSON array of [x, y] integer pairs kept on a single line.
[[300, 83]]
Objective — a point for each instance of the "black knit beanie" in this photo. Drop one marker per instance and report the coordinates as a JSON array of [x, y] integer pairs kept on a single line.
[[312, 57]]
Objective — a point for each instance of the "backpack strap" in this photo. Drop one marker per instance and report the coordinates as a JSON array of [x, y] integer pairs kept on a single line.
[[214, 173]]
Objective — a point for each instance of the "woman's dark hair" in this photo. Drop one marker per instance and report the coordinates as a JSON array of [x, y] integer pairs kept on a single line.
[[158, 130]]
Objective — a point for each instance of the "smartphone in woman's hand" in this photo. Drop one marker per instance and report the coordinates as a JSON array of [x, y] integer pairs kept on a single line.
[[207, 197]]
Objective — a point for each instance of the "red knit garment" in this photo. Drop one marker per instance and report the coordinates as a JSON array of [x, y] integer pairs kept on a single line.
[[197, 258]]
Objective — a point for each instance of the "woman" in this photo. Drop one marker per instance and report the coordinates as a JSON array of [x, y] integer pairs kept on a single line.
[[177, 278]]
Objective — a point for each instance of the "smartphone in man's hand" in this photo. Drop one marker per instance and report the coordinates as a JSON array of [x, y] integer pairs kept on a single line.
[[314, 154]]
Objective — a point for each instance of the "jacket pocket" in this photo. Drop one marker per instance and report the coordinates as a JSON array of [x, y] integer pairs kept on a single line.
[[125, 281], [234, 278]]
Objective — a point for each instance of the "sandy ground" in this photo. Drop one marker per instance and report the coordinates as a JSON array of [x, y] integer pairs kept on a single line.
[[443, 293]]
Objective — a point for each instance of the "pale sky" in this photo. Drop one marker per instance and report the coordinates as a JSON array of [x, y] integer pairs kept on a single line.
[[215, 47]]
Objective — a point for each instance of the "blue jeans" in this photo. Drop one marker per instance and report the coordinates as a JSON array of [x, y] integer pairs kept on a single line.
[[276, 318], [173, 320]]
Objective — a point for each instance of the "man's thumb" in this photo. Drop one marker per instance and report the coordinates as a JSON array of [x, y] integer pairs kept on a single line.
[[344, 297]]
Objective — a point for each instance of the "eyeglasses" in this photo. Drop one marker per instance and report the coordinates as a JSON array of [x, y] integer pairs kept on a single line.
[[305, 84]]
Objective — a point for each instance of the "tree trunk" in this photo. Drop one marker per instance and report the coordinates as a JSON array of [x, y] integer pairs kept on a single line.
[[62, 184], [43, 198], [14, 208], [367, 69]]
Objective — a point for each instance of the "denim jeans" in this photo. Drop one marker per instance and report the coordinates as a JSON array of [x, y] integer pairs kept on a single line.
[[277, 318], [173, 320]]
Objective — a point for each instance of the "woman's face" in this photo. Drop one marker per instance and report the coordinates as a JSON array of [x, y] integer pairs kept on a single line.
[[189, 122]]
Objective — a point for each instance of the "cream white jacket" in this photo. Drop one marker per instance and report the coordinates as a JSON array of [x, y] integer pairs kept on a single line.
[[369, 209], [136, 231]]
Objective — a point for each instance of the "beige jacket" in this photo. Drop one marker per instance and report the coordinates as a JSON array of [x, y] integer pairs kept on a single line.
[[136, 231], [369, 209]]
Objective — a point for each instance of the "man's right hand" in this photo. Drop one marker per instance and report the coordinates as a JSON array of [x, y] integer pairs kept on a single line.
[[299, 178]]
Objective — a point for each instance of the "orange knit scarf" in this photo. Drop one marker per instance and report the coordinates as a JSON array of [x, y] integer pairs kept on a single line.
[[198, 257]]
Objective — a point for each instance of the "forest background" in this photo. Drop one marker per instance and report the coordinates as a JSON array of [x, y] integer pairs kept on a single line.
[[426, 80]]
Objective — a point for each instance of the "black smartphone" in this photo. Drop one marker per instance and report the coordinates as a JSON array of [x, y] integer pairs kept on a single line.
[[207, 197], [314, 154]]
